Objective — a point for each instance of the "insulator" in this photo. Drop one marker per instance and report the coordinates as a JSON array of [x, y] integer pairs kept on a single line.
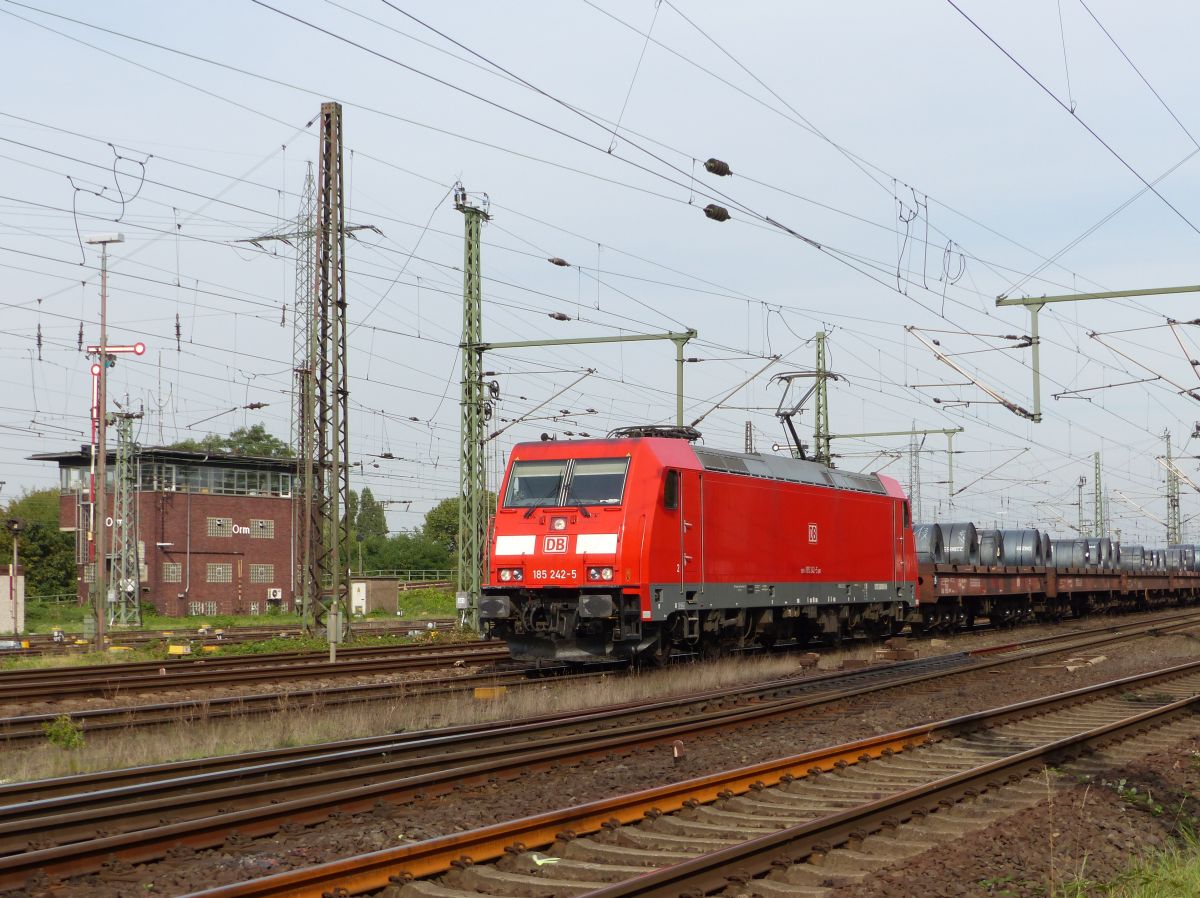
[[716, 213], [559, 316], [81, 336], [555, 260], [717, 167], [692, 359]]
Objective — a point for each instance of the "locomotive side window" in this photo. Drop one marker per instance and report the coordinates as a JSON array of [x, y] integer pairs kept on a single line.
[[671, 490], [535, 483], [907, 514], [597, 481]]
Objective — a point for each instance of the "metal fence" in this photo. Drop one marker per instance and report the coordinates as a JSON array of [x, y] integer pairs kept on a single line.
[[411, 576]]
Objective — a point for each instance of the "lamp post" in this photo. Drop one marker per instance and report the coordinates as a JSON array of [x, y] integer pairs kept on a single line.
[[100, 508], [14, 527]]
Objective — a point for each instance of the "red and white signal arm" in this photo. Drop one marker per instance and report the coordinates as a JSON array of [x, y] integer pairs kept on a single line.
[[812, 533]]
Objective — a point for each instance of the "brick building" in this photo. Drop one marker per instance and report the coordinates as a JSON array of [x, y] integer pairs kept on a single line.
[[214, 531]]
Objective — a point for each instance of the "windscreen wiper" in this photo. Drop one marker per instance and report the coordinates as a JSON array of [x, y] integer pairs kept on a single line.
[[583, 511]]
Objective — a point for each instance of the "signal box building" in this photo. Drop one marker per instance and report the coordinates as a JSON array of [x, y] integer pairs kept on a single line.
[[214, 532]]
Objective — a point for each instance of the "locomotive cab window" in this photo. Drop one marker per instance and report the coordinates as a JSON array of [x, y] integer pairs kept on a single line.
[[553, 484], [535, 483], [597, 481], [671, 490]]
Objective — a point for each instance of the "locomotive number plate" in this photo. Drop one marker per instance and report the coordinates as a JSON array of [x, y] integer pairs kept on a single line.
[[556, 574]]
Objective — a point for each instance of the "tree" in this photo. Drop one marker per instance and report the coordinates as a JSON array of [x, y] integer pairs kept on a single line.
[[405, 551], [441, 525], [371, 520], [441, 522], [253, 440], [47, 554]]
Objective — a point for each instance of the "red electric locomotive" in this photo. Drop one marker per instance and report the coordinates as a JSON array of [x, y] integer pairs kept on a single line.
[[634, 546]]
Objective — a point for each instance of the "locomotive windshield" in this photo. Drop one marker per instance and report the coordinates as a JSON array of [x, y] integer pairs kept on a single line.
[[553, 484]]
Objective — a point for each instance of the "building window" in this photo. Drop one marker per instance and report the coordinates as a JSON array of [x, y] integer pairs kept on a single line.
[[262, 573], [198, 608], [172, 572], [262, 529], [89, 573], [220, 572], [254, 608], [220, 526]]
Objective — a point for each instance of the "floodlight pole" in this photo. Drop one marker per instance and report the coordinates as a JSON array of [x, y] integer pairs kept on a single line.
[[1035, 303]]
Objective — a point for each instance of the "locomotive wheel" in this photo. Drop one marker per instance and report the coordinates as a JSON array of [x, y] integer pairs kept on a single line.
[[657, 656]]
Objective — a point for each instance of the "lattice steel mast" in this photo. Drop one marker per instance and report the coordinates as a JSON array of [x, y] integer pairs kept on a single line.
[[472, 474], [821, 450], [304, 355], [124, 581], [914, 474], [1174, 524], [1099, 525], [327, 524]]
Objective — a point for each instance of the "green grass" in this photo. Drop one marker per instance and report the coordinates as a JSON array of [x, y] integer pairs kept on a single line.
[[42, 617], [417, 604], [1172, 872], [219, 621]]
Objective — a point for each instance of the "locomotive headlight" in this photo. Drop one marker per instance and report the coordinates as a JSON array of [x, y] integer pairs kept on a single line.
[[600, 573], [605, 573], [505, 574], [518, 574], [509, 574], [558, 523]]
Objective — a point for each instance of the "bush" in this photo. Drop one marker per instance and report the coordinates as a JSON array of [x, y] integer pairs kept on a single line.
[[64, 733]]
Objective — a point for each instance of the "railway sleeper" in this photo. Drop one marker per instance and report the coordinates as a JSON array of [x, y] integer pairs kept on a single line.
[[535, 863]]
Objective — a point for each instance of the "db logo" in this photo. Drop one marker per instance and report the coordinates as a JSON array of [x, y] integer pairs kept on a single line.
[[555, 545], [812, 533]]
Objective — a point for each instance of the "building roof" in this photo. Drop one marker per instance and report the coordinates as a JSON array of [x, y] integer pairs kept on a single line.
[[176, 456]]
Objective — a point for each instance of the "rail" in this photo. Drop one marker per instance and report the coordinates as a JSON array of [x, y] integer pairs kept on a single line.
[[710, 872], [406, 768]]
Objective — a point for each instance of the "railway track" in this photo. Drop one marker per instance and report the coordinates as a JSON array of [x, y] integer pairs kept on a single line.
[[51, 825], [775, 828], [29, 727], [43, 644], [108, 680], [18, 728]]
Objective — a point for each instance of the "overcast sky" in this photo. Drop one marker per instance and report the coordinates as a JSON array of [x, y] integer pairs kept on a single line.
[[892, 167]]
